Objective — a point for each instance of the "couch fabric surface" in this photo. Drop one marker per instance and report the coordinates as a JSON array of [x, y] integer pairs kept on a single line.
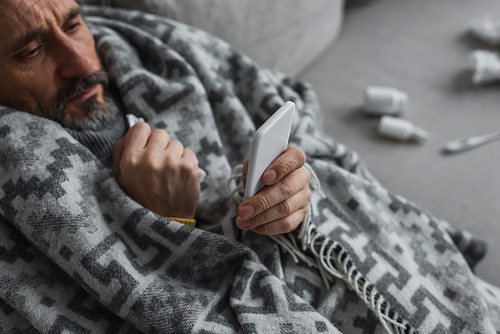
[[287, 35]]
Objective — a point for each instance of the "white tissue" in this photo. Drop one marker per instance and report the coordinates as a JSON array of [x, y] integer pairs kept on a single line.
[[133, 120], [487, 29], [203, 175], [486, 67]]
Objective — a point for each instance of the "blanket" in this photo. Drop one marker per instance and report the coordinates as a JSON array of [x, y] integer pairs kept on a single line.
[[77, 255]]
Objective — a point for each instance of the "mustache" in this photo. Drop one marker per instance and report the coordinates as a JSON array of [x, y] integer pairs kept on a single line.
[[77, 86]]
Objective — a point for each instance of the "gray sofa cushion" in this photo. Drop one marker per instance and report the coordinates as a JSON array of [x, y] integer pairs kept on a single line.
[[286, 35]]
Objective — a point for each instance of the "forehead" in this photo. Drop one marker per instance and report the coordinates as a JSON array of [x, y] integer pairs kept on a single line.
[[20, 16]]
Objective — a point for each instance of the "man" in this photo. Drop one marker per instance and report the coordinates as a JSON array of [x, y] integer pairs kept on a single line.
[[51, 69], [82, 251]]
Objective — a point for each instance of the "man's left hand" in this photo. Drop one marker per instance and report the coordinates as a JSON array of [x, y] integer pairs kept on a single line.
[[282, 205]]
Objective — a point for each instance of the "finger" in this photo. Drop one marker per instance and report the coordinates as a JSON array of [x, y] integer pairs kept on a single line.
[[245, 171], [175, 149], [283, 225], [293, 158], [158, 140], [137, 137], [189, 156], [280, 210], [274, 194], [117, 155], [191, 163]]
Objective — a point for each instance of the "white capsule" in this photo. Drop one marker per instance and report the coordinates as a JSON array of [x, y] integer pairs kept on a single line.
[[384, 101], [400, 129]]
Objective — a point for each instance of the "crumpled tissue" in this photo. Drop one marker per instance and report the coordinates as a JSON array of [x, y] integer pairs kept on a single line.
[[486, 67]]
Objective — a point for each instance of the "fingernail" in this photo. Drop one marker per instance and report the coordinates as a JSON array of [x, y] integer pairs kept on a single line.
[[246, 211], [243, 224], [269, 176]]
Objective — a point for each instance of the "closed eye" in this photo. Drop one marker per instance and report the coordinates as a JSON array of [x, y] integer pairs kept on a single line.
[[32, 53], [73, 27]]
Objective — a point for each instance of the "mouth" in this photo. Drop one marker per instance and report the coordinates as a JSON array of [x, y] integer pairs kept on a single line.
[[83, 95]]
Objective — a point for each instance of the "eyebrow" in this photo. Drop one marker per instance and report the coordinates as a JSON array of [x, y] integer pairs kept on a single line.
[[75, 11], [34, 34]]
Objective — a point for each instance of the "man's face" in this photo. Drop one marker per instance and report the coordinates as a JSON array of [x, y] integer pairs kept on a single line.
[[48, 63]]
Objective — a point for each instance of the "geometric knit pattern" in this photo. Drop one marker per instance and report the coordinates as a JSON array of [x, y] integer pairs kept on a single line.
[[77, 255]]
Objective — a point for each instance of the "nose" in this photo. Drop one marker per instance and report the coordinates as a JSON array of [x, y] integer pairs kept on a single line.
[[74, 61]]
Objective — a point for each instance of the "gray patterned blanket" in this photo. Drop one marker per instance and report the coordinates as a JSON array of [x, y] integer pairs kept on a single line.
[[79, 256]]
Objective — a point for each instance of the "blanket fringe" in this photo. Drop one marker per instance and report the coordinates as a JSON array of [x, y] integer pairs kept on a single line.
[[332, 261], [235, 184]]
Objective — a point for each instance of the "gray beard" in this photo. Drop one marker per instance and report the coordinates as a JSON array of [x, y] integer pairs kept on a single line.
[[97, 115]]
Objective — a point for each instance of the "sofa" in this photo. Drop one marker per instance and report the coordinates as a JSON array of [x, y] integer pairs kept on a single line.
[[417, 46]]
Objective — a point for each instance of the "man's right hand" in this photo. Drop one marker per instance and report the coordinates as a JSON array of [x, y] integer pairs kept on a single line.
[[157, 172]]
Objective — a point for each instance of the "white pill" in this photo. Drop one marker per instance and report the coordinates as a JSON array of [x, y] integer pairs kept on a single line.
[[400, 129], [384, 101]]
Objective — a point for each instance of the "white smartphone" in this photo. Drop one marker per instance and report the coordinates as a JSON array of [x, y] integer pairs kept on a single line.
[[268, 143]]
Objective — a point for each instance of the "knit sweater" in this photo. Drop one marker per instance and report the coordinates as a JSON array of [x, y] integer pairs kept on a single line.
[[100, 142]]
